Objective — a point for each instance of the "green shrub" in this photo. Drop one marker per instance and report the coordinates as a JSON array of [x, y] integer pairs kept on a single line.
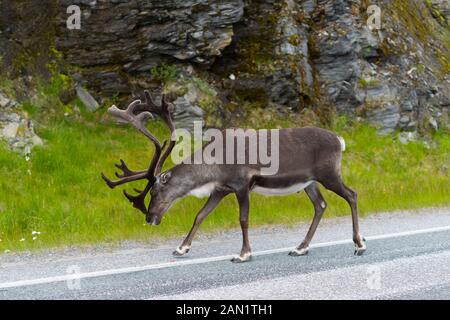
[[164, 73]]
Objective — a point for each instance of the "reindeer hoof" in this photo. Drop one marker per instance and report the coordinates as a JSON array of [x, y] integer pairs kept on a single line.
[[299, 252], [360, 249], [244, 258], [181, 251]]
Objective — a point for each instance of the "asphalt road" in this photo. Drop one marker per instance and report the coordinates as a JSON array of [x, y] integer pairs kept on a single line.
[[408, 257]]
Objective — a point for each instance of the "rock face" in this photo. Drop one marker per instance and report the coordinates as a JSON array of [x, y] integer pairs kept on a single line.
[[288, 55], [186, 113], [386, 75], [315, 53], [190, 95], [87, 99], [441, 10], [269, 57], [118, 38], [15, 128]]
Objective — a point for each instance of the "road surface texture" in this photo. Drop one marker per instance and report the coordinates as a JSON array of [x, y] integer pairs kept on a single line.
[[408, 257]]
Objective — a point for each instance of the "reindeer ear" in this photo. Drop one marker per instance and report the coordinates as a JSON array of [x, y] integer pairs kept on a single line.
[[165, 177]]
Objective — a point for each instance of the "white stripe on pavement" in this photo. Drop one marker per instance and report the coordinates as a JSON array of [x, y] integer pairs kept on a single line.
[[101, 273], [383, 280]]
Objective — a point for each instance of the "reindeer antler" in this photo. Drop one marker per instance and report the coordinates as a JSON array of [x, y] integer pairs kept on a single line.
[[164, 111], [138, 121]]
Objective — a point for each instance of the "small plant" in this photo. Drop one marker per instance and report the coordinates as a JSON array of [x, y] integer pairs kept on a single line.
[[203, 86], [294, 40], [164, 73], [421, 69], [30, 108], [368, 83]]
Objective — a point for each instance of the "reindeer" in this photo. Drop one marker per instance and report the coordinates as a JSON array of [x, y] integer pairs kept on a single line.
[[307, 156]]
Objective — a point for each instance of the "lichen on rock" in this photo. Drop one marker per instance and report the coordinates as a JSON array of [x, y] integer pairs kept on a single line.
[[15, 126]]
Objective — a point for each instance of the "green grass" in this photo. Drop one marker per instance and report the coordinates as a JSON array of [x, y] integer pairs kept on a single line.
[[59, 192]]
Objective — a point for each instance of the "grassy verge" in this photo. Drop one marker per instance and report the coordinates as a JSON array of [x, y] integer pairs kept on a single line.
[[60, 194]]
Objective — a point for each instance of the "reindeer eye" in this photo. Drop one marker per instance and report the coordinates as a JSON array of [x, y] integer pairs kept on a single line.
[[165, 177]]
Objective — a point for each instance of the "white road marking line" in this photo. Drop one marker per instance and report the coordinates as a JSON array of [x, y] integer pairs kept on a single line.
[[379, 280], [101, 273]]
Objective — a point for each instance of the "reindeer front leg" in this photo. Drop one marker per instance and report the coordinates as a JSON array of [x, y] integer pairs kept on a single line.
[[209, 206], [244, 207]]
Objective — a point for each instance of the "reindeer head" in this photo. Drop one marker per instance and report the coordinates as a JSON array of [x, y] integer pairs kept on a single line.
[[163, 194], [158, 183]]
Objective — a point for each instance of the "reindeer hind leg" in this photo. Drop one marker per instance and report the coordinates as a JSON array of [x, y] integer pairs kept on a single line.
[[337, 186]]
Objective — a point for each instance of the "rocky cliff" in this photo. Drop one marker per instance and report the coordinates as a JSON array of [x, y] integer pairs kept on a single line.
[[228, 58]]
